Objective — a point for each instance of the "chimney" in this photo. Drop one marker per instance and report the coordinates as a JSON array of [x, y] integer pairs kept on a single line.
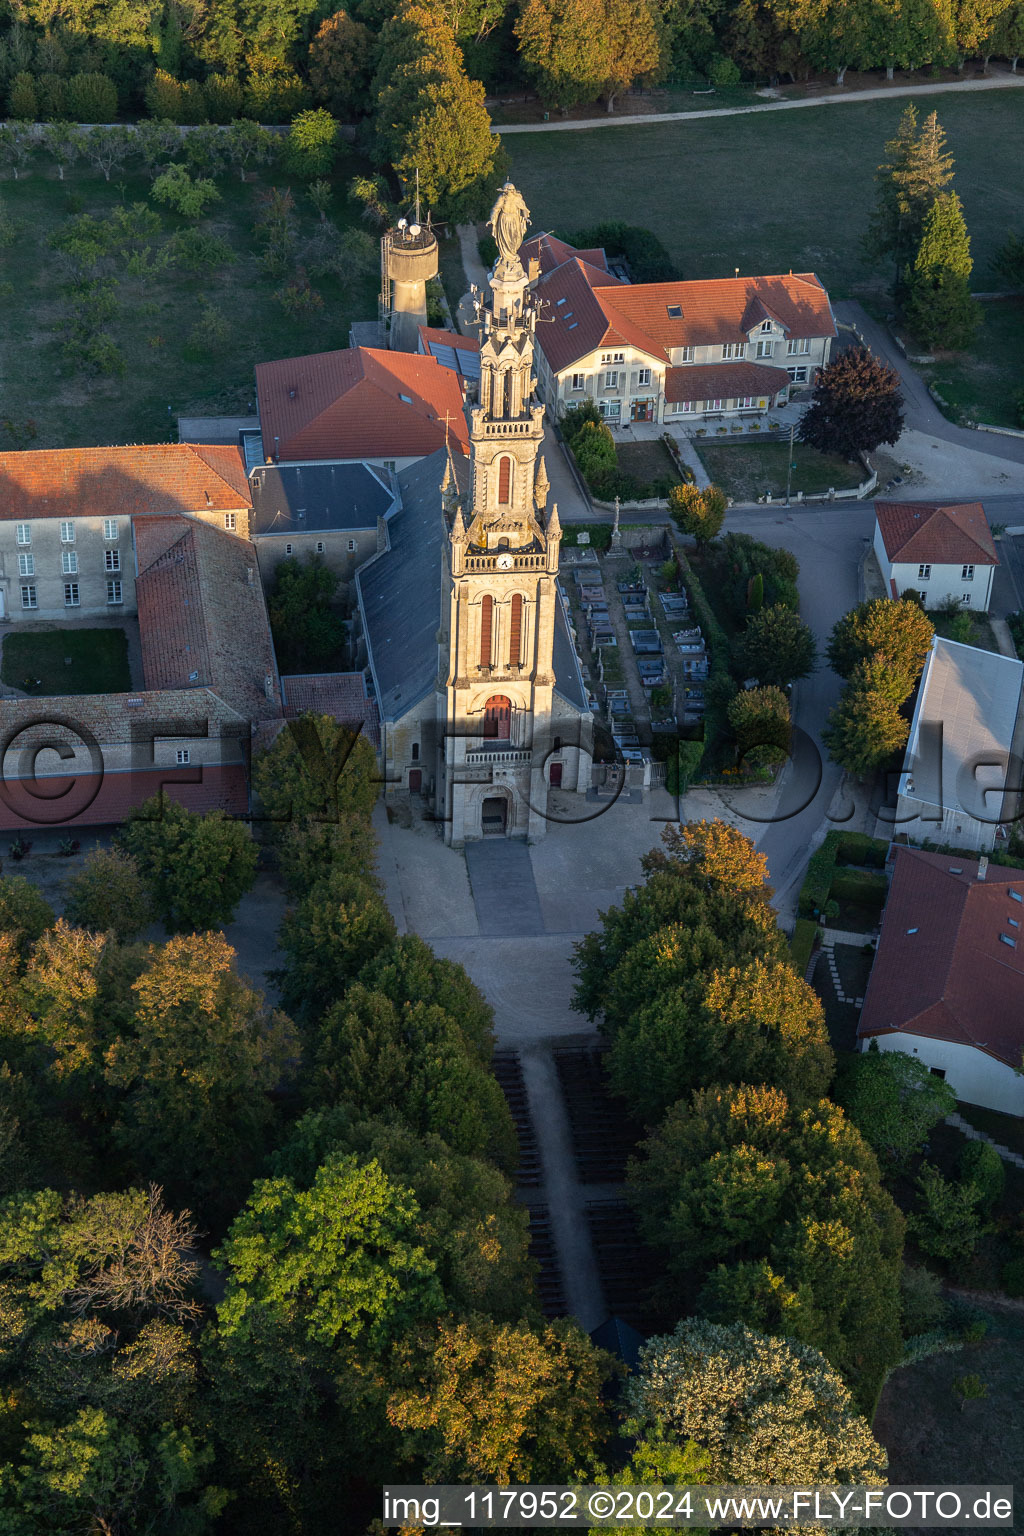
[[983, 866]]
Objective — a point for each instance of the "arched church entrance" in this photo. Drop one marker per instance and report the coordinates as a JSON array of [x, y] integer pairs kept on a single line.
[[494, 816], [498, 718]]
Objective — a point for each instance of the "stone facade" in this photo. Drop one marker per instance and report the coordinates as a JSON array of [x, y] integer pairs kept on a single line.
[[498, 706]]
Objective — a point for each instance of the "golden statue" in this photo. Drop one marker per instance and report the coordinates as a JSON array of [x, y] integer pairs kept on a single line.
[[508, 221]]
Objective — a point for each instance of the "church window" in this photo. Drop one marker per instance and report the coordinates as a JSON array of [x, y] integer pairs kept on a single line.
[[415, 751], [498, 719], [504, 481], [516, 631], [486, 616]]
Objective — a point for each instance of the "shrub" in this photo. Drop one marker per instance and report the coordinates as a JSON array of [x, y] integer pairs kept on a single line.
[[923, 1307], [224, 99], [722, 71], [682, 764], [197, 250], [22, 100], [801, 945], [487, 249], [1013, 1277], [164, 98], [981, 1165], [92, 98], [312, 144], [52, 91], [273, 92], [648, 259], [186, 195]]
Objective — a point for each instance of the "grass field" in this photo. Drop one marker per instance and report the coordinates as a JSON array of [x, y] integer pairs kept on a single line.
[[99, 661], [772, 191], [648, 460], [746, 471], [166, 372], [982, 384]]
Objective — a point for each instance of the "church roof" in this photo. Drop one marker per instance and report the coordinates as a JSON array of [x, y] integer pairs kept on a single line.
[[358, 403]]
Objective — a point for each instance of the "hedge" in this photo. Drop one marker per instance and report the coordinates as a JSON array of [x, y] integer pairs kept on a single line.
[[859, 885], [858, 848], [818, 880], [801, 945], [719, 685]]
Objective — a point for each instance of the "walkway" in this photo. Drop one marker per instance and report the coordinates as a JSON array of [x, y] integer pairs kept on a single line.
[[960, 1124], [995, 82], [504, 890]]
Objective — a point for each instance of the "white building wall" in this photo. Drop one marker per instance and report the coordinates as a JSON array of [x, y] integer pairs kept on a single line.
[[943, 582], [975, 1077]]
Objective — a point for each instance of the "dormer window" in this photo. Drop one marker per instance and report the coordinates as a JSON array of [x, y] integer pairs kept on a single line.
[[766, 325]]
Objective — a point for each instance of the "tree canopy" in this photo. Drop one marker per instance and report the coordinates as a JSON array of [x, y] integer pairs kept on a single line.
[[776, 648], [197, 867], [857, 405], [899, 633]]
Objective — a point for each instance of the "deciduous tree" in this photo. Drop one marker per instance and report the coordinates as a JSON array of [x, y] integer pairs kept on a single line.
[[866, 727], [764, 1410], [24, 911], [504, 1402], [894, 1101], [308, 634], [341, 64], [312, 144], [316, 768], [697, 512], [900, 633], [109, 894], [776, 648], [198, 868], [760, 719], [857, 404]]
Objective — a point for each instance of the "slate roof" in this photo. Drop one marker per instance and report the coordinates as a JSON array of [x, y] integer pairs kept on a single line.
[[357, 403], [317, 498], [926, 533], [723, 381], [400, 593], [550, 252], [596, 312], [108, 482], [942, 969], [342, 695], [202, 615]]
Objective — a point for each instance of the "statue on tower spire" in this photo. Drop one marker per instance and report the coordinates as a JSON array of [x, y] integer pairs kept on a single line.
[[508, 222]]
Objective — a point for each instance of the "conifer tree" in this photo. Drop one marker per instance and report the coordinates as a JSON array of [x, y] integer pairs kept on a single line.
[[916, 169], [938, 305]]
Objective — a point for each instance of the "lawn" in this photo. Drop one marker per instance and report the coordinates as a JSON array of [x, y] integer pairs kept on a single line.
[[98, 661], [746, 471], [967, 627], [189, 339], [647, 460], [931, 1441], [981, 384], [772, 191]]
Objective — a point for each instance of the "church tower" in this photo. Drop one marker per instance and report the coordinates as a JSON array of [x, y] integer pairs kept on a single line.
[[503, 565]]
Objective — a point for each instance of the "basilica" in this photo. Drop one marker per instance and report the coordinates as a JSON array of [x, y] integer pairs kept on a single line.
[[482, 704]]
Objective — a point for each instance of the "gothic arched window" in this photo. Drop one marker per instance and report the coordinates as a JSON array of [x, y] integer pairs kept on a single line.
[[486, 622], [504, 481], [515, 641]]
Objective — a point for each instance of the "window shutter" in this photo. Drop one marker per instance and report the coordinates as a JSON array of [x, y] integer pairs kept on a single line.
[[504, 481], [515, 639], [486, 608]]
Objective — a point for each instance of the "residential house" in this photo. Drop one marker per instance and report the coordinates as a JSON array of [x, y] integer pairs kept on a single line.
[[947, 985], [941, 552], [361, 404], [961, 775], [679, 352], [66, 520]]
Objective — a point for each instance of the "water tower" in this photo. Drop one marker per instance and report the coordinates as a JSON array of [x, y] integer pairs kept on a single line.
[[408, 260]]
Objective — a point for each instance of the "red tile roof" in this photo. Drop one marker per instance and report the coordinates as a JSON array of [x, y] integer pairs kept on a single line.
[[105, 482], [202, 615], [89, 800], [358, 403], [941, 969], [711, 312], [957, 534], [550, 252], [342, 695], [723, 381]]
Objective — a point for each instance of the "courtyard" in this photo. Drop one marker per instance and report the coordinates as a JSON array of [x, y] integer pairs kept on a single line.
[[47, 662]]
